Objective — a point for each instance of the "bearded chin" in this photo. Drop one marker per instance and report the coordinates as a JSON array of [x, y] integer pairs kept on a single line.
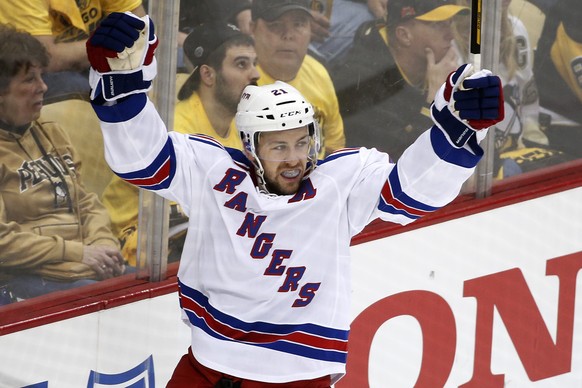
[[276, 188], [224, 95]]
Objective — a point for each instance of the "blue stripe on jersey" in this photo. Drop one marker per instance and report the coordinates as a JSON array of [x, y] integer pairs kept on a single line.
[[395, 201], [240, 159], [159, 174], [125, 109], [338, 154], [458, 156], [306, 340], [280, 345], [205, 139], [237, 155]]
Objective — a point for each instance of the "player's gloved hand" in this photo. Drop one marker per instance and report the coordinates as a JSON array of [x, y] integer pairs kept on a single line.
[[121, 52], [468, 102]]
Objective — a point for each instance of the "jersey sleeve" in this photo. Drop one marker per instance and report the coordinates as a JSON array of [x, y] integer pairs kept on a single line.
[[141, 151], [428, 176], [137, 146]]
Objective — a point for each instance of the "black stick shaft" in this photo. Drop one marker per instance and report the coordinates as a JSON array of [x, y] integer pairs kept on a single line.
[[476, 26]]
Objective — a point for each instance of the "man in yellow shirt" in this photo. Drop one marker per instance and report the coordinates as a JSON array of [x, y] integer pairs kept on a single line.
[[63, 26], [282, 32], [224, 61]]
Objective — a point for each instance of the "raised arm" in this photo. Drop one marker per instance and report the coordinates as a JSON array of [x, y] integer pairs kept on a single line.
[[430, 173], [123, 65], [138, 147]]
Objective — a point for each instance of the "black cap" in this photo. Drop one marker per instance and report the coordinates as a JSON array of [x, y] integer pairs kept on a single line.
[[425, 10], [205, 38], [202, 41], [273, 9]]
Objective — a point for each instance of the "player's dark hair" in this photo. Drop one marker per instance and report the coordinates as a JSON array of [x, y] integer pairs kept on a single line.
[[18, 50], [215, 60]]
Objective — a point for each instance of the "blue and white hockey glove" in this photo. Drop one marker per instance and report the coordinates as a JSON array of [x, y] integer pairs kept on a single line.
[[468, 102], [121, 52]]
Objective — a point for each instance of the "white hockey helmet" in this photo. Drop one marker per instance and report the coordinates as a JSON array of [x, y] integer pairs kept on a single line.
[[270, 108]]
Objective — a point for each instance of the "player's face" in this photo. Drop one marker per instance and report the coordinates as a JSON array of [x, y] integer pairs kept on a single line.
[[282, 43], [283, 155], [239, 69], [22, 101]]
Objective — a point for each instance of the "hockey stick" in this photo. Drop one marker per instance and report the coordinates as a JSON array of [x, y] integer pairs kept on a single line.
[[476, 8]]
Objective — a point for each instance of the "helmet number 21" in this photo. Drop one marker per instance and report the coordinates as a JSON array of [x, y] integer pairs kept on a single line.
[[278, 92]]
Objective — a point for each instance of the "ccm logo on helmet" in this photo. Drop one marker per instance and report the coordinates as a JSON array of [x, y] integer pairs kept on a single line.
[[292, 113]]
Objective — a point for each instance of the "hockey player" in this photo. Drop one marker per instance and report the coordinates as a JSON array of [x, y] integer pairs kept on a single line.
[[264, 278]]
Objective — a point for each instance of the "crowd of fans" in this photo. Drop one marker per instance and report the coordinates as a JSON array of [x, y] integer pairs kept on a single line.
[[369, 68]]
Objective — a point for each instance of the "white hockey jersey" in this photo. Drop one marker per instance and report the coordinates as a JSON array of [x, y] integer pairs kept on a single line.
[[265, 280]]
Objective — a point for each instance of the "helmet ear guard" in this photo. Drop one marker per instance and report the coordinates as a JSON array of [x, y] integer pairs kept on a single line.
[[272, 108]]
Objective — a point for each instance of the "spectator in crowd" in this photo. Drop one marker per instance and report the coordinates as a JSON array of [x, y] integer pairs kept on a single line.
[[393, 71], [225, 62], [54, 235], [558, 69], [282, 32], [63, 27], [339, 21]]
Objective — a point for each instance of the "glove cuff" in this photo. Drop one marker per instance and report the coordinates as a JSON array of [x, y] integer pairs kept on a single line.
[[115, 85], [455, 130]]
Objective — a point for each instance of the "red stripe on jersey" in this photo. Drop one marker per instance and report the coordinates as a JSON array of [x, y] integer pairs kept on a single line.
[[158, 177], [389, 198], [261, 338]]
